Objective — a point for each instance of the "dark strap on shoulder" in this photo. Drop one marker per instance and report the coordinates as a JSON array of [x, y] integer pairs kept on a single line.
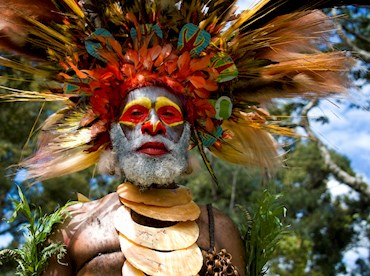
[[211, 229], [211, 222]]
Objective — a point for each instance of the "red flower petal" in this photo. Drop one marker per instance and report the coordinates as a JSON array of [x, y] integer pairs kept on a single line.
[[211, 85], [184, 64], [202, 93], [197, 81], [155, 52], [209, 125], [174, 85], [132, 56], [171, 66], [200, 63], [128, 70]]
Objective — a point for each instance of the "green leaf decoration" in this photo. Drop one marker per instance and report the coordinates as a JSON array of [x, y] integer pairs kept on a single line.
[[224, 108], [193, 39], [33, 257], [264, 230], [225, 66], [208, 139], [93, 47]]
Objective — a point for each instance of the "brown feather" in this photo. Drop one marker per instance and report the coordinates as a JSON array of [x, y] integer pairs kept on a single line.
[[13, 27], [249, 145], [295, 65]]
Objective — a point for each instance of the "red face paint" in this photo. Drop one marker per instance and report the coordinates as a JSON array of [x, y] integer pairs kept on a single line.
[[152, 111], [170, 115], [134, 115]]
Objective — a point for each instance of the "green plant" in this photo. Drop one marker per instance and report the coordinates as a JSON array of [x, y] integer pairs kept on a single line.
[[263, 231], [35, 253]]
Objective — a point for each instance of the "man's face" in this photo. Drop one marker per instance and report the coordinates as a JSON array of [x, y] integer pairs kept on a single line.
[[152, 111], [151, 138]]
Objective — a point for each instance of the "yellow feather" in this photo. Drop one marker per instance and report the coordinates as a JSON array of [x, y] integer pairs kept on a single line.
[[75, 8], [244, 16], [41, 167], [17, 95], [47, 30], [249, 146], [22, 67]]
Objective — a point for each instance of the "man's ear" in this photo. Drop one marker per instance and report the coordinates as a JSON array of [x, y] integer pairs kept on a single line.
[[193, 164], [108, 164]]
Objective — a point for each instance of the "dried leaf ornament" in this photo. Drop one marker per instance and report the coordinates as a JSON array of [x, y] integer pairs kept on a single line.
[[155, 250], [178, 236], [156, 197], [154, 262]]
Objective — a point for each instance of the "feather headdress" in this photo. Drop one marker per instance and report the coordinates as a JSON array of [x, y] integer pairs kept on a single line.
[[221, 64]]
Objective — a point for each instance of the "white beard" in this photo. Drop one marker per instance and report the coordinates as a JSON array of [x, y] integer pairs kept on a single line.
[[144, 170]]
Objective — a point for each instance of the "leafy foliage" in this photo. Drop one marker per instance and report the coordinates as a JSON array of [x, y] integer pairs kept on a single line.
[[34, 254], [264, 231]]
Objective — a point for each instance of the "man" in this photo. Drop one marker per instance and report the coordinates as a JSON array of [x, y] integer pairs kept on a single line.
[[142, 81], [150, 143]]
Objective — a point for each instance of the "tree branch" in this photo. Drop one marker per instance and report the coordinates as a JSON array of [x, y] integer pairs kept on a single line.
[[360, 52], [356, 34], [354, 182]]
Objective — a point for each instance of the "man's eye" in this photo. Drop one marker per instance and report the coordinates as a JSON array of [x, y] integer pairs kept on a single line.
[[168, 114], [137, 113]]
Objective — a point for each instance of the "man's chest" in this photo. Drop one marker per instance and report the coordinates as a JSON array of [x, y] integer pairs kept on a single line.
[[94, 248]]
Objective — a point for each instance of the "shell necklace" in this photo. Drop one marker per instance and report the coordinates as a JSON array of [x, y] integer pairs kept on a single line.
[[165, 251]]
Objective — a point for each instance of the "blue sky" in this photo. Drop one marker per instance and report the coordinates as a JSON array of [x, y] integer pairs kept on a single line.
[[348, 130]]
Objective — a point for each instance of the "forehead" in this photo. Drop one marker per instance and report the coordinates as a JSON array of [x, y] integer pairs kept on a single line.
[[152, 92]]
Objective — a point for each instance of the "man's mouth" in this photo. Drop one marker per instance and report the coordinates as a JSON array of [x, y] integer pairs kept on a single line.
[[153, 148]]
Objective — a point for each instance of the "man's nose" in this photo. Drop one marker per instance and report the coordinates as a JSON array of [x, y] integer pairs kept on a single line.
[[153, 126]]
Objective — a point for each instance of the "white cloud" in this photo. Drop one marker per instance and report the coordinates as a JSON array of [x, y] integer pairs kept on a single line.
[[246, 4], [337, 189], [347, 132], [350, 257], [5, 240]]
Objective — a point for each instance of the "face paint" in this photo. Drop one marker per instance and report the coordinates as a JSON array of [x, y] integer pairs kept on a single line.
[[152, 138], [136, 111], [152, 111], [169, 112], [143, 170]]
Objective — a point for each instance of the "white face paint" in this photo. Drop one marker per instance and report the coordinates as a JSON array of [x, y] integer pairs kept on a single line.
[[144, 170], [148, 158]]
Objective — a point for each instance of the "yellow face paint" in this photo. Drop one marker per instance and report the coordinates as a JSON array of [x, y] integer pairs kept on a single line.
[[164, 101], [168, 111], [136, 111]]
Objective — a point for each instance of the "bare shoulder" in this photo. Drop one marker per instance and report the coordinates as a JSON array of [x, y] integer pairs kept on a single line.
[[81, 213], [226, 235], [88, 233]]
